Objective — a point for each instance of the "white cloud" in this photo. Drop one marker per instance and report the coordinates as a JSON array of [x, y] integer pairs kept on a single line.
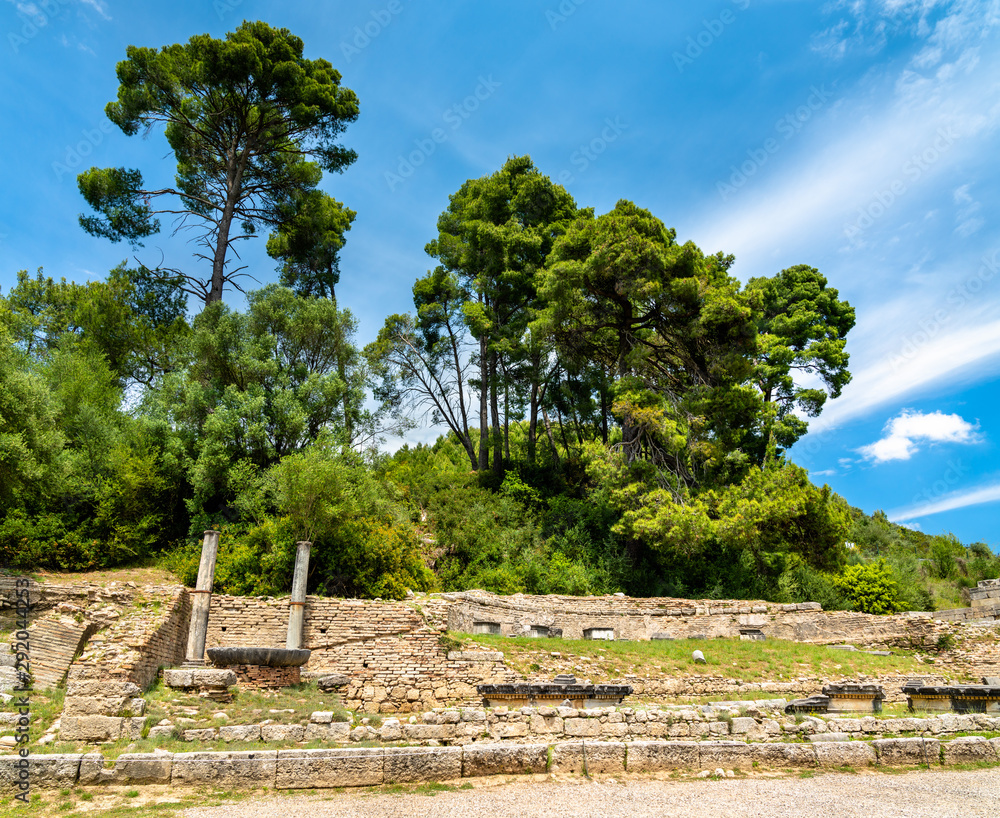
[[950, 502], [893, 370], [909, 429], [99, 6]]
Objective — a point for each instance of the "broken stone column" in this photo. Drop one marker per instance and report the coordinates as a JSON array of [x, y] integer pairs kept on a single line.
[[297, 604], [202, 600]]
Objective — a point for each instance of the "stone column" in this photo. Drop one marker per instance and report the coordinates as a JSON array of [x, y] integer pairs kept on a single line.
[[202, 599], [296, 606]]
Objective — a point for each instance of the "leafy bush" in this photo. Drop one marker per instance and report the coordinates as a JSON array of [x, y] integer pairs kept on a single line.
[[870, 588]]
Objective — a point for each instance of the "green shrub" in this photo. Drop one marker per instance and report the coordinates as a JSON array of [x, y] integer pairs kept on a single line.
[[870, 588]]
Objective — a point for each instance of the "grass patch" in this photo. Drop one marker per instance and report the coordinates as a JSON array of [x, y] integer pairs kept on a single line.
[[775, 659]]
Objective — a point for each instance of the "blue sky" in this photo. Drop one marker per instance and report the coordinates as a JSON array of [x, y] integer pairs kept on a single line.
[[858, 137]]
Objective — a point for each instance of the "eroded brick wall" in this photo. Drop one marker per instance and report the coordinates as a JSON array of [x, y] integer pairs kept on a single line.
[[640, 619], [394, 653]]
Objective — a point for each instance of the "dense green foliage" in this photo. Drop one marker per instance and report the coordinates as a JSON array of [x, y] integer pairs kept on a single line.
[[619, 406]]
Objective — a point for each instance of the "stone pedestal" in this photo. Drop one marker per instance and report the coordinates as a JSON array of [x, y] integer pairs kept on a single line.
[[195, 655], [854, 698]]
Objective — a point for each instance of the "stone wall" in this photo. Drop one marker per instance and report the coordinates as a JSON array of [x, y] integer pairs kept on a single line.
[[151, 632], [758, 721], [365, 767], [986, 594], [98, 603], [394, 653], [104, 686], [657, 618]]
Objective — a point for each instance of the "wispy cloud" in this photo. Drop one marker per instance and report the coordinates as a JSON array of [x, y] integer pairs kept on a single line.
[[909, 429], [950, 502], [891, 377], [99, 6]]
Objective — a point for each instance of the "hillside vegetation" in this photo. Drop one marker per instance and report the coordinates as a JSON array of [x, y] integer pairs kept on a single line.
[[619, 411]]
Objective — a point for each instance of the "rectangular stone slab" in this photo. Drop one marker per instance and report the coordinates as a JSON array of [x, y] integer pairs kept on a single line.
[[354, 767], [239, 770], [590, 757], [657, 756], [504, 759], [406, 764]]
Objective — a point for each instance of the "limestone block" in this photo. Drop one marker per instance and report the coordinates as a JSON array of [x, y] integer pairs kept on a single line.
[[657, 756], [101, 689], [588, 757], [614, 729], [424, 732], [390, 731], [354, 767], [969, 749], [819, 737], [844, 725], [212, 677], [546, 724], [850, 753], [891, 751], [282, 732], [236, 770], [132, 727], [140, 768], [91, 729], [718, 728], [503, 759], [779, 756], [91, 769], [340, 731], [44, 771], [729, 755], [94, 706], [475, 716], [165, 730], [517, 729], [135, 707], [176, 677], [405, 764], [584, 728], [321, 717], [908, 725], [204, 734], [317, 732], [742, 725], [240, 732]]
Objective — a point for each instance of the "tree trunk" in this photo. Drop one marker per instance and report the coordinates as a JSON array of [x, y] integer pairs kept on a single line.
[[532, 422], [484, 423], [495, 413]]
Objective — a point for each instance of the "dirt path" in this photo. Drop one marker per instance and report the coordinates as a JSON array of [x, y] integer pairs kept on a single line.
[[928, 794]]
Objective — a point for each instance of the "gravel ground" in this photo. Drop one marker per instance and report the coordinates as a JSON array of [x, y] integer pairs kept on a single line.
[[934, 794]]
